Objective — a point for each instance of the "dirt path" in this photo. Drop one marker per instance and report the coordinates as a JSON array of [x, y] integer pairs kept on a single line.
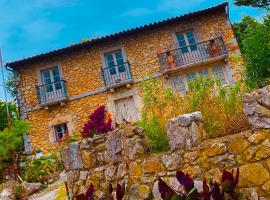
[[56, 191]]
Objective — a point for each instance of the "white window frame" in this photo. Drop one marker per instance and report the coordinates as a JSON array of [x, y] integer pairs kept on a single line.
[[48, 67]]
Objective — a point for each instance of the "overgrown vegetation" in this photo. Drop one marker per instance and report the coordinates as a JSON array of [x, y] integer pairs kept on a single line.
[[99, 122], [42, 169], [218, 106], [254, 40], [3, 113], [253, 3], [11, 145]]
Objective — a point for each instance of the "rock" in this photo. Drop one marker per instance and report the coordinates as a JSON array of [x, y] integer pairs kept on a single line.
[[172, 162], [192, 156], [114, 145], [71, 157], [31, 188], [238, 146], [122, 170], [8, 191], [216, 149], [258, 137], [133, 147], [185, 131], [135, 169], [152, 166], [87, 158], [83, 175], [257, 153], [98, 174], [252, 175], [262, 111], [155, 191], [249, 193], [266, 187], [110, 172], [139, 192]]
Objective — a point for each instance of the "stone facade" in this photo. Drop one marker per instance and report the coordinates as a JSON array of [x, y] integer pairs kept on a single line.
[[81, 69], [122, 157]]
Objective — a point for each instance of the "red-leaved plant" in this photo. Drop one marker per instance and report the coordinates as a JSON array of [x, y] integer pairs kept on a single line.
[[210, 191], [97, 123], [120, 190]]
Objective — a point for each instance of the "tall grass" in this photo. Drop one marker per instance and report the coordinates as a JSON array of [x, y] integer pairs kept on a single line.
[[218, 106]]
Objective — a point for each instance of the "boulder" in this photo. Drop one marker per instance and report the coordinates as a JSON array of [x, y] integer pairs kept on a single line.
[[31, 188]]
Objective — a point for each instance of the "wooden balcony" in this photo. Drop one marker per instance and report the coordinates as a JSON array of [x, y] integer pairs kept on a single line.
[[193, 55], [51, 94], [117, 76]]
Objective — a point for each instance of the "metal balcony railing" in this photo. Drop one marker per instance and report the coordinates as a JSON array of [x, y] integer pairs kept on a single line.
[[51, 92], [117, 74], [193, 54]]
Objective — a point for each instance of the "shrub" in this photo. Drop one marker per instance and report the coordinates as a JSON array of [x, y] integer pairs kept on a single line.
[[213, 191], [97, 123], [218, 106], [40, 169]]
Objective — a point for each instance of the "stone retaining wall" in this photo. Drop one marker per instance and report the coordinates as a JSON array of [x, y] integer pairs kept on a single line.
[[122, 156]]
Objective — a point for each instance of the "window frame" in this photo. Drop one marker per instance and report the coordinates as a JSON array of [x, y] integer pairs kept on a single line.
[[186, 39], [56, 138]]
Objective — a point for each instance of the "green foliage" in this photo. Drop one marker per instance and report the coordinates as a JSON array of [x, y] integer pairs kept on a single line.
[[11, 85], [3, 113], [40, 169], [11, 143], [254, 40], [218, 106], [253, 3]]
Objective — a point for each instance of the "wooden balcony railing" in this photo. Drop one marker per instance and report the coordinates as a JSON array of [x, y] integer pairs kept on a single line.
[[53, 92], [117, 75], [191, 55]]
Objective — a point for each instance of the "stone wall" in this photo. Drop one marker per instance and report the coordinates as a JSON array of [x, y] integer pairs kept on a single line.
[[122, 156], [82, 72]]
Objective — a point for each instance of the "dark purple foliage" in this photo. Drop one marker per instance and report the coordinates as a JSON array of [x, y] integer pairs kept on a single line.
[[119, 192], [97, 123], [89, 194], [211, 191], [185, 180], [166, 191]]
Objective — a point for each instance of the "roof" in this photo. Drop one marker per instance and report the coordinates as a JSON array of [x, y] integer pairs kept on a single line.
[[89, 43]]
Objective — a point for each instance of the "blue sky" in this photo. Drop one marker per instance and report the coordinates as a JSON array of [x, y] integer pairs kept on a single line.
[[30, 27]]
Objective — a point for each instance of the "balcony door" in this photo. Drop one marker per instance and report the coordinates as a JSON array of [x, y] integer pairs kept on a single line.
[[52, 87], [116, 66], [189, 50]]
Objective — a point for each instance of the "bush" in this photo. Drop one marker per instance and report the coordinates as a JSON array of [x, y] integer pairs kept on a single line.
[[97, 123], [218, 106], [40, 169]]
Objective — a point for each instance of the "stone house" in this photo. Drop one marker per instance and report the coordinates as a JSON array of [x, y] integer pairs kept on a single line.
[[58, 90]]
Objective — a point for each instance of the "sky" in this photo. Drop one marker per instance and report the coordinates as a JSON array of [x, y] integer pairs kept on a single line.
[[30, 27]]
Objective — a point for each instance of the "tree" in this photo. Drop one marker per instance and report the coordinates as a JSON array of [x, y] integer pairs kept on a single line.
[[11, 144], [254, 40], [13, 111], [253, 3]]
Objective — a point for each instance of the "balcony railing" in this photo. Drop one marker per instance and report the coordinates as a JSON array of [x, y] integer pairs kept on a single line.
[[53, 92], [194, 54], [117, 75]]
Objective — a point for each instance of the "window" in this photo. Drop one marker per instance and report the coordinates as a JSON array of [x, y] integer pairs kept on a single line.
[[115, 62], [179, 84], [203, 72], [187, 41], [51, 79], [60, 131], [191, 76], [219, 73]]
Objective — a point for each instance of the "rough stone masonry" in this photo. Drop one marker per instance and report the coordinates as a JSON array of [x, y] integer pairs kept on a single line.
[[123, 156]]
